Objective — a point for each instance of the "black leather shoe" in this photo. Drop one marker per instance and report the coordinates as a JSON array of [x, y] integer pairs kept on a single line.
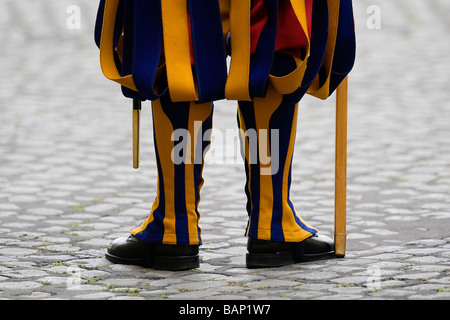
[[134, 251], [264, 254]]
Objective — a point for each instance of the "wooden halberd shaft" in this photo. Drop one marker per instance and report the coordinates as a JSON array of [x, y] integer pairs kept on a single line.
[[340, 219], [136, 132]]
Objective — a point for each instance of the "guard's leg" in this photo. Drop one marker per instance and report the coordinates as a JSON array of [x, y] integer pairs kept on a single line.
[[179, 130], [277, 234], [268, 127]]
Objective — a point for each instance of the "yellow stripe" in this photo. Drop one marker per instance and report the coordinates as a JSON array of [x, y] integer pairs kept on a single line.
[[236, 87], [177, 50], [107, 62]]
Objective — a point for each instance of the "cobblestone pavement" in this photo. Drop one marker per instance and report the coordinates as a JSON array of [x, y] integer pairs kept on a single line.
[[67, 187]]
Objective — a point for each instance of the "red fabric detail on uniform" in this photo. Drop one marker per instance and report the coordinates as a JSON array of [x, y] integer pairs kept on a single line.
[[290, 36]]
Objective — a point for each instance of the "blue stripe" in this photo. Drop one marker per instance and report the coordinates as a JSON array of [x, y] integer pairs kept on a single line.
[[147, 46], [209, 49], [128, 44]]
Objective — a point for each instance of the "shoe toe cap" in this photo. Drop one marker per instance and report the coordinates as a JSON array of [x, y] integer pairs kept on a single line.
[[127, 247], [318, 244]]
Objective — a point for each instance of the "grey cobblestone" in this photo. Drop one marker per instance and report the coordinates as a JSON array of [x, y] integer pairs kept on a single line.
[[67, 187]]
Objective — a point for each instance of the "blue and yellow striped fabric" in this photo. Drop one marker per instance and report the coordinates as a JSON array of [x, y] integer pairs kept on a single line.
[[174, 53], [174, 215], [154, 46]]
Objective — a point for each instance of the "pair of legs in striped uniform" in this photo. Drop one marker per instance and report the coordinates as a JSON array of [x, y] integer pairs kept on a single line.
[[272, 121], [181, 140], [169, 238]]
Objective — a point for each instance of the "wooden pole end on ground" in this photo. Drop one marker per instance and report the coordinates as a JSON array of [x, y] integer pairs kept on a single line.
[[340, 210], [136, 132]]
